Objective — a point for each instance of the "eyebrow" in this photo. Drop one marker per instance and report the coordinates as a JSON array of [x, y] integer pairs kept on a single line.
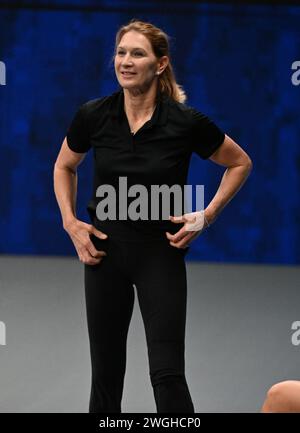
[[135, 48]]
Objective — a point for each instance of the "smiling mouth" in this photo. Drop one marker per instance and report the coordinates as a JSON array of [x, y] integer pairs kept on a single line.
[[127, 74]]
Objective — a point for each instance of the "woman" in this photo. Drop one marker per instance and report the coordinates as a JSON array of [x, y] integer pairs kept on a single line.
[[283, 397], [145, 133]]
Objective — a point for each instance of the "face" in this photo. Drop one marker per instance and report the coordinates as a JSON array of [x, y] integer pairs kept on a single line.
[[135, 62]]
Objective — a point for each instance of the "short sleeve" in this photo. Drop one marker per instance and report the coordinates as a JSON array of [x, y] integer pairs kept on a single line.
[[205, 135], [77, 133]]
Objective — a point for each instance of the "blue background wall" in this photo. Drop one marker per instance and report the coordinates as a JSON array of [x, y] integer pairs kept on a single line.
[[235, 65]]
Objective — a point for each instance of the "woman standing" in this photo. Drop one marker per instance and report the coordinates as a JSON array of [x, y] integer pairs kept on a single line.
[[145, 133]]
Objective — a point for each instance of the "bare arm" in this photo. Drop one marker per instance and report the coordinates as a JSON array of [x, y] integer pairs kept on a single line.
[[65, 182], [239, 166], [65, 188]]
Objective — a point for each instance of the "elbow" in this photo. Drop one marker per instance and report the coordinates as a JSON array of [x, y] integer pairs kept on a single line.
[[58, 167], [248, 165]]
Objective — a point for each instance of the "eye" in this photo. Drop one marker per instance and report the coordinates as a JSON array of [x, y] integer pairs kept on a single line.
[[138, 53]]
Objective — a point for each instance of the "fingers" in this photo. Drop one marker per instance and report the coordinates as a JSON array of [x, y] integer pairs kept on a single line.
[[182, 238], [179, 242], [179, 246], [87, 252], [89, 246], [89, 260], [193, 226], [177, 236], [89, 255], [95, 253], [182, 233], [80, 234], [98, 233], [178, 219]]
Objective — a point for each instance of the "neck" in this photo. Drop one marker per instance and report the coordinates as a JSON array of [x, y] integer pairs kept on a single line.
[[139, 104]]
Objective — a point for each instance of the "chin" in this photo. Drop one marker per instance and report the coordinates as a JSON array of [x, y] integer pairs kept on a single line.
[[128, 86]]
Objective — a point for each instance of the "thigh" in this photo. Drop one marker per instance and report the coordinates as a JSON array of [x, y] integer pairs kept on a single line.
[[109, 294], [162, 292]]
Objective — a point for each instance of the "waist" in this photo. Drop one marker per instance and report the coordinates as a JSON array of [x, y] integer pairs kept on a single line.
[[136, 231]]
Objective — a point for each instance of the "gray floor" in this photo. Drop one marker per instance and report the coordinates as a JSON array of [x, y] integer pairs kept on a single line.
[[238, 337]]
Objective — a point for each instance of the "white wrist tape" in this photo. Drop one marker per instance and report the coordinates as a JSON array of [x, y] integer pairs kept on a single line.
[[195, 222]]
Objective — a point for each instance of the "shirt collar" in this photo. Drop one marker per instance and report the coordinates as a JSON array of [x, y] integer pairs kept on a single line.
[[160, 114]]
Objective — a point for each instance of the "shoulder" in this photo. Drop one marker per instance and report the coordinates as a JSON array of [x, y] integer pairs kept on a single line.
[[185, 113], [97, 105]]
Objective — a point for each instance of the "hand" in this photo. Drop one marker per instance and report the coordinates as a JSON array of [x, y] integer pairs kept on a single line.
[[194, 224], [79, 232]]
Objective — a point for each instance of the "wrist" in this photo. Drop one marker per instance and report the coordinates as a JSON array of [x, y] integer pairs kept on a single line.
[[68, 221], [209, 217]]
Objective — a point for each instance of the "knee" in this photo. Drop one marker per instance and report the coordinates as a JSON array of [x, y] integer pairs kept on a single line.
[[277, 397], [161, 377]]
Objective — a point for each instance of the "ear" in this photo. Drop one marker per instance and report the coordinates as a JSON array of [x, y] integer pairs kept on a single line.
[[163, 63]]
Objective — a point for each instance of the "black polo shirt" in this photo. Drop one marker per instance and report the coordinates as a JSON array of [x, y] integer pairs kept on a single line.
[[157, 154]]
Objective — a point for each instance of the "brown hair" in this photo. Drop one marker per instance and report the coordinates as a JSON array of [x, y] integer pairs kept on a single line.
[[159, 41]]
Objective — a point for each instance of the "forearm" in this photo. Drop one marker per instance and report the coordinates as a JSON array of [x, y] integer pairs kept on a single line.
[[65, 188], [232, 181]]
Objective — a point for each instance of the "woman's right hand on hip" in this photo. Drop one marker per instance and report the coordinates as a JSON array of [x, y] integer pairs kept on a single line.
[[80, 232]]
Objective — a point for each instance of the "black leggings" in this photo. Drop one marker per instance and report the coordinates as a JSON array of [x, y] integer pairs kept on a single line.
[[158, 271]]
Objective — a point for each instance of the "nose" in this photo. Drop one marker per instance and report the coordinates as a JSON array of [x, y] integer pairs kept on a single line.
[[127, 60]]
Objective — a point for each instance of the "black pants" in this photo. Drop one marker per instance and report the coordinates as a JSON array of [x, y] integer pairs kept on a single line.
[[158, 271]]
